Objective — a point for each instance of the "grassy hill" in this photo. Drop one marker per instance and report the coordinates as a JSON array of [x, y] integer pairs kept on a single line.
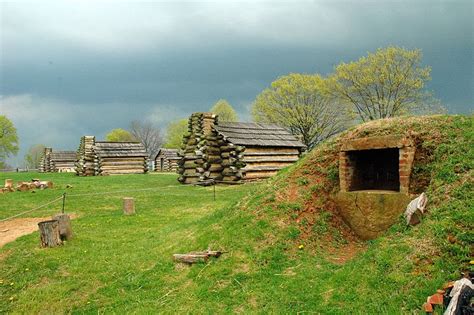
[[287, 250]]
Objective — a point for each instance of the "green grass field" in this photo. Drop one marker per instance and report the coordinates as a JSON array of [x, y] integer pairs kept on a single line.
[[123, 264]]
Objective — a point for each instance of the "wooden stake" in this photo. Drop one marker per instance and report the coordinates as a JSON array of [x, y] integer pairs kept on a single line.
[[65, 229], [128, 206], [49, 233]]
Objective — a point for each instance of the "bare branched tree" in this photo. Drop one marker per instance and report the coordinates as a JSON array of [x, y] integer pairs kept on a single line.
[[148, 134]]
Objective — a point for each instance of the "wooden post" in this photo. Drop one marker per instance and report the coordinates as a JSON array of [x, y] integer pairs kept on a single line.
[[128, 206], [8, 183], [49, 233], [65, 230]]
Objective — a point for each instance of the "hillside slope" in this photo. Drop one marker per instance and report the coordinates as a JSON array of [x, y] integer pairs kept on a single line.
[[398, 270]]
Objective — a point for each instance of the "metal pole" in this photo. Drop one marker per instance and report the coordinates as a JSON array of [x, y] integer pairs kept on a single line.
[[64, 201], [214, 191]]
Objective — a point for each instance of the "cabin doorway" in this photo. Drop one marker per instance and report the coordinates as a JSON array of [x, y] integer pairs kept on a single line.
[[162, 162]]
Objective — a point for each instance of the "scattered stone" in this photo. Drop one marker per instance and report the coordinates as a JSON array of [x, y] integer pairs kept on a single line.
[[415, 209], [428, 307], [436, 299]]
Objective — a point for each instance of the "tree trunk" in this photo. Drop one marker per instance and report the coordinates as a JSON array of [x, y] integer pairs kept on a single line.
[[65, 230], [49, 233]]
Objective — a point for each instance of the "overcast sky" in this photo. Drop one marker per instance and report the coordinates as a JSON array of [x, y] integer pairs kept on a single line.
[[73, 68]]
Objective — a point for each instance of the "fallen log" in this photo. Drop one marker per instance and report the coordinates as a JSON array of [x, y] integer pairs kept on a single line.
[[196, 257]]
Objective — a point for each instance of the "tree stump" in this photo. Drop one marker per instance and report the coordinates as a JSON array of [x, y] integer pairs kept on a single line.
[[8, 183], [128, 206], [65, 229], [49, 233]]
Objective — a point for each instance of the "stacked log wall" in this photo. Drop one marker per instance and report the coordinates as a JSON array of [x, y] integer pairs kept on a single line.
[[45, 164], [198, 149], [232, 161], [264, 162], [170, 163], [85, 164], [120, 165]]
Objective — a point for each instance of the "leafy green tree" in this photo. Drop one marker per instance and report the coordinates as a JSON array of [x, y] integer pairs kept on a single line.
[[387, 83], [8, 140], [119, 134], [225, 111], [175, 132], [297, 102], [34, 155]]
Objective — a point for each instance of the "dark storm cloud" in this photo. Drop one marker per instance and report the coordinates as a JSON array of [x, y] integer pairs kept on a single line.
[[162, 61]]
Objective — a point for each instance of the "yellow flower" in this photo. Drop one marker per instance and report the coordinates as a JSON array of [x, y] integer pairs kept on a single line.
[[301, 246], [12, 283], [11, 298]]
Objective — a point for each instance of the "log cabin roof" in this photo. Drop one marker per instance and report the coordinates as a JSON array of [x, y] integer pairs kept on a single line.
[[168, 153], [119, 149], [63, 156], [257, 134]]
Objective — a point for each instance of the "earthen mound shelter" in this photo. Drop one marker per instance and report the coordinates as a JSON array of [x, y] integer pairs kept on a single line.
[[369, 174]]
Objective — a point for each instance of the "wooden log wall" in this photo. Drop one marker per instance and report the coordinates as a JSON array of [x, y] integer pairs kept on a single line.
[[120, 165], [231, 160], [173, 164], [45, 164], [263, 162], [85, 157], [165, 163], [198, 148]]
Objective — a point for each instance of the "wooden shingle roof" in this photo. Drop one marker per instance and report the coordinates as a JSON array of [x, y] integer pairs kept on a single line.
[[257, 134], [119, 149], [63, 156], [169, 153]]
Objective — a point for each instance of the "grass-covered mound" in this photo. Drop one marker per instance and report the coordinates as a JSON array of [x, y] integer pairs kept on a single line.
[[123, 264], [397, 271]]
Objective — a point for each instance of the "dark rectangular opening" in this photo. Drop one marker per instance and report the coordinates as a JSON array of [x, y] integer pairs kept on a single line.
[[374, 169]]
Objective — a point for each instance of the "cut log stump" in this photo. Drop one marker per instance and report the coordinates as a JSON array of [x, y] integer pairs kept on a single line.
[[8, 183], [65, 229], [128, 206], [49, 233]]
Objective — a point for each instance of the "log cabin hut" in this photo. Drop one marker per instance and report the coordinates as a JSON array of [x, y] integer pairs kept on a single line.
[[110, 158], [166, 160], [57, 161], [233, 152]]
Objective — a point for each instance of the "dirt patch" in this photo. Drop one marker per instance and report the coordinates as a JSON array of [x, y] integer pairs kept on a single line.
[[12, 229]]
